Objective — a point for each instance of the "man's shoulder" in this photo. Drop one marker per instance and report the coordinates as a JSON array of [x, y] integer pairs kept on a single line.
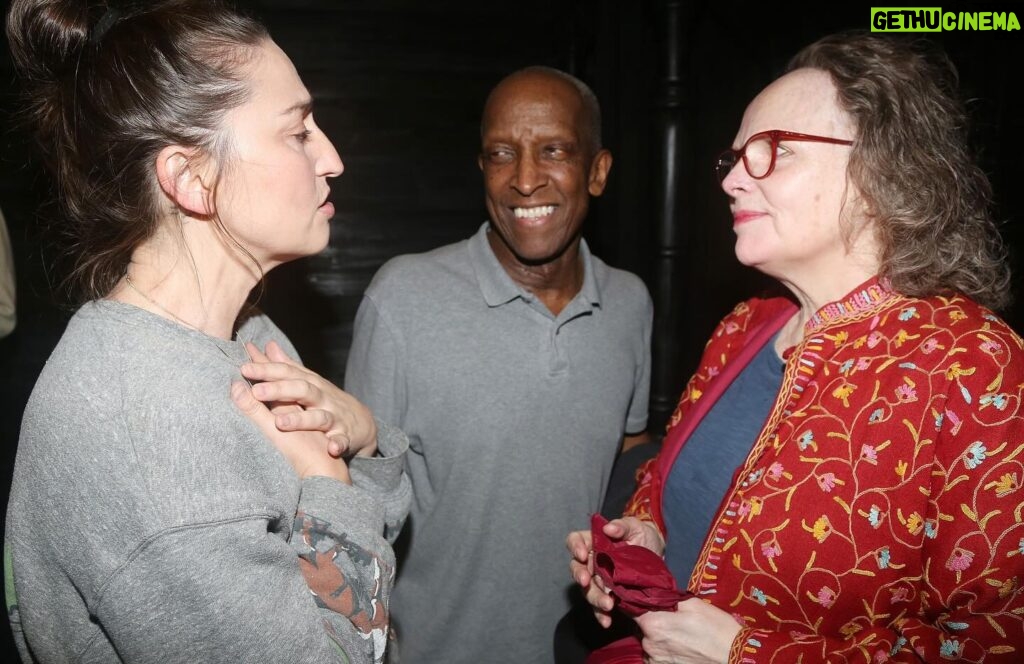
[[619, 285]]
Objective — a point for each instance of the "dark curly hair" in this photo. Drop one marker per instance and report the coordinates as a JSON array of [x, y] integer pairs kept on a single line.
[[107, 86], [929, 200]]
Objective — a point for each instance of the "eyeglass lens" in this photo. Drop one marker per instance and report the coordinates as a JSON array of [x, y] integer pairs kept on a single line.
[[757, 155]]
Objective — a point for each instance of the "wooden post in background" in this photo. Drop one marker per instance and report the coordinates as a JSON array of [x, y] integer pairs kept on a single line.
[[672, 166]]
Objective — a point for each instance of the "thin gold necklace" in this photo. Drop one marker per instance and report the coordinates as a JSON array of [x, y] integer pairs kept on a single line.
[[128, 280]]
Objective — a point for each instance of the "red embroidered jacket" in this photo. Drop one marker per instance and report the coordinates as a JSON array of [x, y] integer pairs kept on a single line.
[[878, 516]]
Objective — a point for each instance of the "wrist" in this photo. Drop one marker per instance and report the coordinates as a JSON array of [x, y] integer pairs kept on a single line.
[[369, 449], [336, 469]]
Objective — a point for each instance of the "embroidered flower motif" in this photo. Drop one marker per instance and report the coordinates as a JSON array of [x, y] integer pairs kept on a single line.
[[955, 371], [695, 395], [876, 416], [1005, 485], [875, 517], [750, 507], [901, 469], [806, 440], [957, 315], [775, 471], [997, 400], [863, 363], [758, 596], [954, 421], [975, 455], [930, 531], [905, 393], [930, 345], [1008, 587], [712, 372], [868, 453], [900, 594], [845, 367], [843, 393], [914, 523], [755, 476], [826, 597], [840, 338], [850, 629], [938, 421], [896, 647], [771, 549], [958, 626], [860, 342], [959, 560], [903, 337], [821, 529], [880, 657], [883, 558], [827, 482], [908, 313], [874, 338], [950, 649], [1020, 546], [991, 347], [731, 327]]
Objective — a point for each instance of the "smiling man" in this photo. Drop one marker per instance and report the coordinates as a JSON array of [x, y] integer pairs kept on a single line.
[[518, 364]]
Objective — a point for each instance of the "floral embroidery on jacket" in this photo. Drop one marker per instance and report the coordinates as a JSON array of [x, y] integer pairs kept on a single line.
[[887, 519]]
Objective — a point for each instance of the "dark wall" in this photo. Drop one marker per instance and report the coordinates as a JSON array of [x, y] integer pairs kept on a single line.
[[399, 85]]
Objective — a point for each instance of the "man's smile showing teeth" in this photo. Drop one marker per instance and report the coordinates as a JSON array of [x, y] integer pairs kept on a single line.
[[533, 212]]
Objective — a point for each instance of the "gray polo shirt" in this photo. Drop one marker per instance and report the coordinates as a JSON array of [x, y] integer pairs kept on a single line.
[[514, 418]]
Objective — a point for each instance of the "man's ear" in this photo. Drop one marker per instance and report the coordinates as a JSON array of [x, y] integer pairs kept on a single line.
[[182, 180], [600, 166]]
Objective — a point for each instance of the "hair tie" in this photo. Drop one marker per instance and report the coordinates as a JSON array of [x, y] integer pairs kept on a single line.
[[108, 19]]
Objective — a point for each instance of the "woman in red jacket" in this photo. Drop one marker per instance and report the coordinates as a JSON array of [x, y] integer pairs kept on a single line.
[[842, 479]]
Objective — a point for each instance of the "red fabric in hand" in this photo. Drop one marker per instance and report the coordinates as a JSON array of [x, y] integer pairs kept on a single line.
[[623, 651], [636, 576]]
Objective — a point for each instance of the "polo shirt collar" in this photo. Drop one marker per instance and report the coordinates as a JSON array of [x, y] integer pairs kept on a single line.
[[498, 288]]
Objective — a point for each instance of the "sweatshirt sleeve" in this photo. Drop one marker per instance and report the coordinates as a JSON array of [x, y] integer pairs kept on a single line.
[[383, 477], [232, 590], [347, 564]]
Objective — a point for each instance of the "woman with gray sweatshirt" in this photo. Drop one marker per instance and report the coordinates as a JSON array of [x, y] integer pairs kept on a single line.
[[184, 489]]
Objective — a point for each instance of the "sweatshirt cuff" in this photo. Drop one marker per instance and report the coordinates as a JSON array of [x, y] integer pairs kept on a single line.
[[381, 473]]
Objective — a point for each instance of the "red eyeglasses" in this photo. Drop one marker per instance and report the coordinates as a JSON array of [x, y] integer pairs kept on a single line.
[[758, 153]]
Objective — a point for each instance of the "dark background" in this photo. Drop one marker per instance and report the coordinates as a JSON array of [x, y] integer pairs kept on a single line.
[[399, 85]]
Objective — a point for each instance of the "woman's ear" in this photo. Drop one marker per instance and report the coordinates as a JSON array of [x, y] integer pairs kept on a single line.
[[183, 180]]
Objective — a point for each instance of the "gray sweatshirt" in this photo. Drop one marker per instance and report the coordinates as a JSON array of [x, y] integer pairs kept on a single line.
[[150, 521]]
